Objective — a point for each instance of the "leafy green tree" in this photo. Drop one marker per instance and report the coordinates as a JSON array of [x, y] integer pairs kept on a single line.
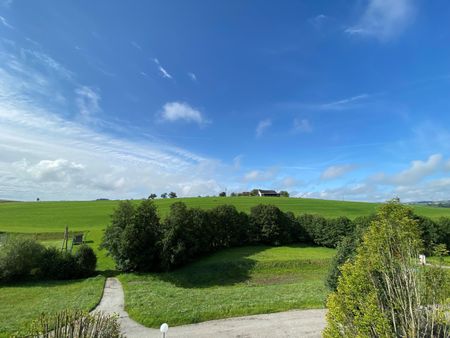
[[272, 223], [382, 293], [172, 195], [284, 193], [133, 237], [429, 233], [443, 224], [346, 249], [223, 194], [226, 224], [254, 192], [178, 243], [164, 195], [152, 196]]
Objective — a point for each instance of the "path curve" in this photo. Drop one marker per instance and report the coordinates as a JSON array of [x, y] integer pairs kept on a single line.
[[297, 323]]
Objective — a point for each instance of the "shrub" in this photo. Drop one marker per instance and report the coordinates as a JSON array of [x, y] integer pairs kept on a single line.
[[74, 324], [382, 293], [86, 261], [133, 237], [19, 259]]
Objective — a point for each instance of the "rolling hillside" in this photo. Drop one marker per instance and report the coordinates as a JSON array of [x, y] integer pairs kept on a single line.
[[38, 217]]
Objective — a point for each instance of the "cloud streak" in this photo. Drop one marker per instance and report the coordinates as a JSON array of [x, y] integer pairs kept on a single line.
[[162, 70], [262, 127], [384, 19]]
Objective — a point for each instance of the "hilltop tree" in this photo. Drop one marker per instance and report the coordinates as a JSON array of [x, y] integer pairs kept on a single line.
[[284, 193], [164, 195], [223, 194], [172, 195], [254, 192], [152, 196], [383, 292]]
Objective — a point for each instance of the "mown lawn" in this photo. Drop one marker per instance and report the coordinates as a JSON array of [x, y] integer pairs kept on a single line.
[[22, 303], [233, 282]]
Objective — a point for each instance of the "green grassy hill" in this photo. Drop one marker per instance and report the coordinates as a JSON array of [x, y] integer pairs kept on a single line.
[[38, 217]]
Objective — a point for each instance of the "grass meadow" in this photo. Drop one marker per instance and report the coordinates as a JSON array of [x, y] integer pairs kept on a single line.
[[23, 302], [233, 282]]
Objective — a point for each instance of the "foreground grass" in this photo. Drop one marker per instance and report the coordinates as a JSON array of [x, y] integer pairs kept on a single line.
[[234, 282], [22, 303]]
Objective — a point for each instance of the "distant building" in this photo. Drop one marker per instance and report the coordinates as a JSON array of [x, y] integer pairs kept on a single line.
[[265, 193]]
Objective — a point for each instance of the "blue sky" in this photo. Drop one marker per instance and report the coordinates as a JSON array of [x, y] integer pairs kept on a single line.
[[326, 99]]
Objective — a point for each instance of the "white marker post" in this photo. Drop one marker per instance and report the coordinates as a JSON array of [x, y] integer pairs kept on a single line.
[[164, 328]]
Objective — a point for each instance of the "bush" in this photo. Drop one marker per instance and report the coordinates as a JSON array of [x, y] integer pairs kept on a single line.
[[25, 258], [86, 261], [383, 291], [133, 237], [19, 259], [75, 323]]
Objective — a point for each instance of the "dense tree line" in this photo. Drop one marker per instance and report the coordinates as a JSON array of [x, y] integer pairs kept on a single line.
[[139, 240]]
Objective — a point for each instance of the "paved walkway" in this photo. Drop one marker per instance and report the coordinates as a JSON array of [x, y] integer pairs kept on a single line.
[[304, 323]]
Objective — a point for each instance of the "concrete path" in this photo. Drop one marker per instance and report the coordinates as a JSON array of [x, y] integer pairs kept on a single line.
[[304, 323]]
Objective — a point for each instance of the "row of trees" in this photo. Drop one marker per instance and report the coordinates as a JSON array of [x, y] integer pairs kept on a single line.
[[139, 241], [171, 194]]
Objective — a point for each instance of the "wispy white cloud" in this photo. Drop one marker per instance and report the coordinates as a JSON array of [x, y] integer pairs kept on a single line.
[[45, 152], [417, 171], [337, 171], [136, 45], [343, 103], [5, 23], [263, 126], [384, 19], [175, 111], [164, 72], [88, 101], [237, 161], [318, 20], [260, 175], [192, 76], [302, 126]]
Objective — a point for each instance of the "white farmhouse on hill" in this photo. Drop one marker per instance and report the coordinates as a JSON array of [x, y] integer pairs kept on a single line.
[[272, 193]]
